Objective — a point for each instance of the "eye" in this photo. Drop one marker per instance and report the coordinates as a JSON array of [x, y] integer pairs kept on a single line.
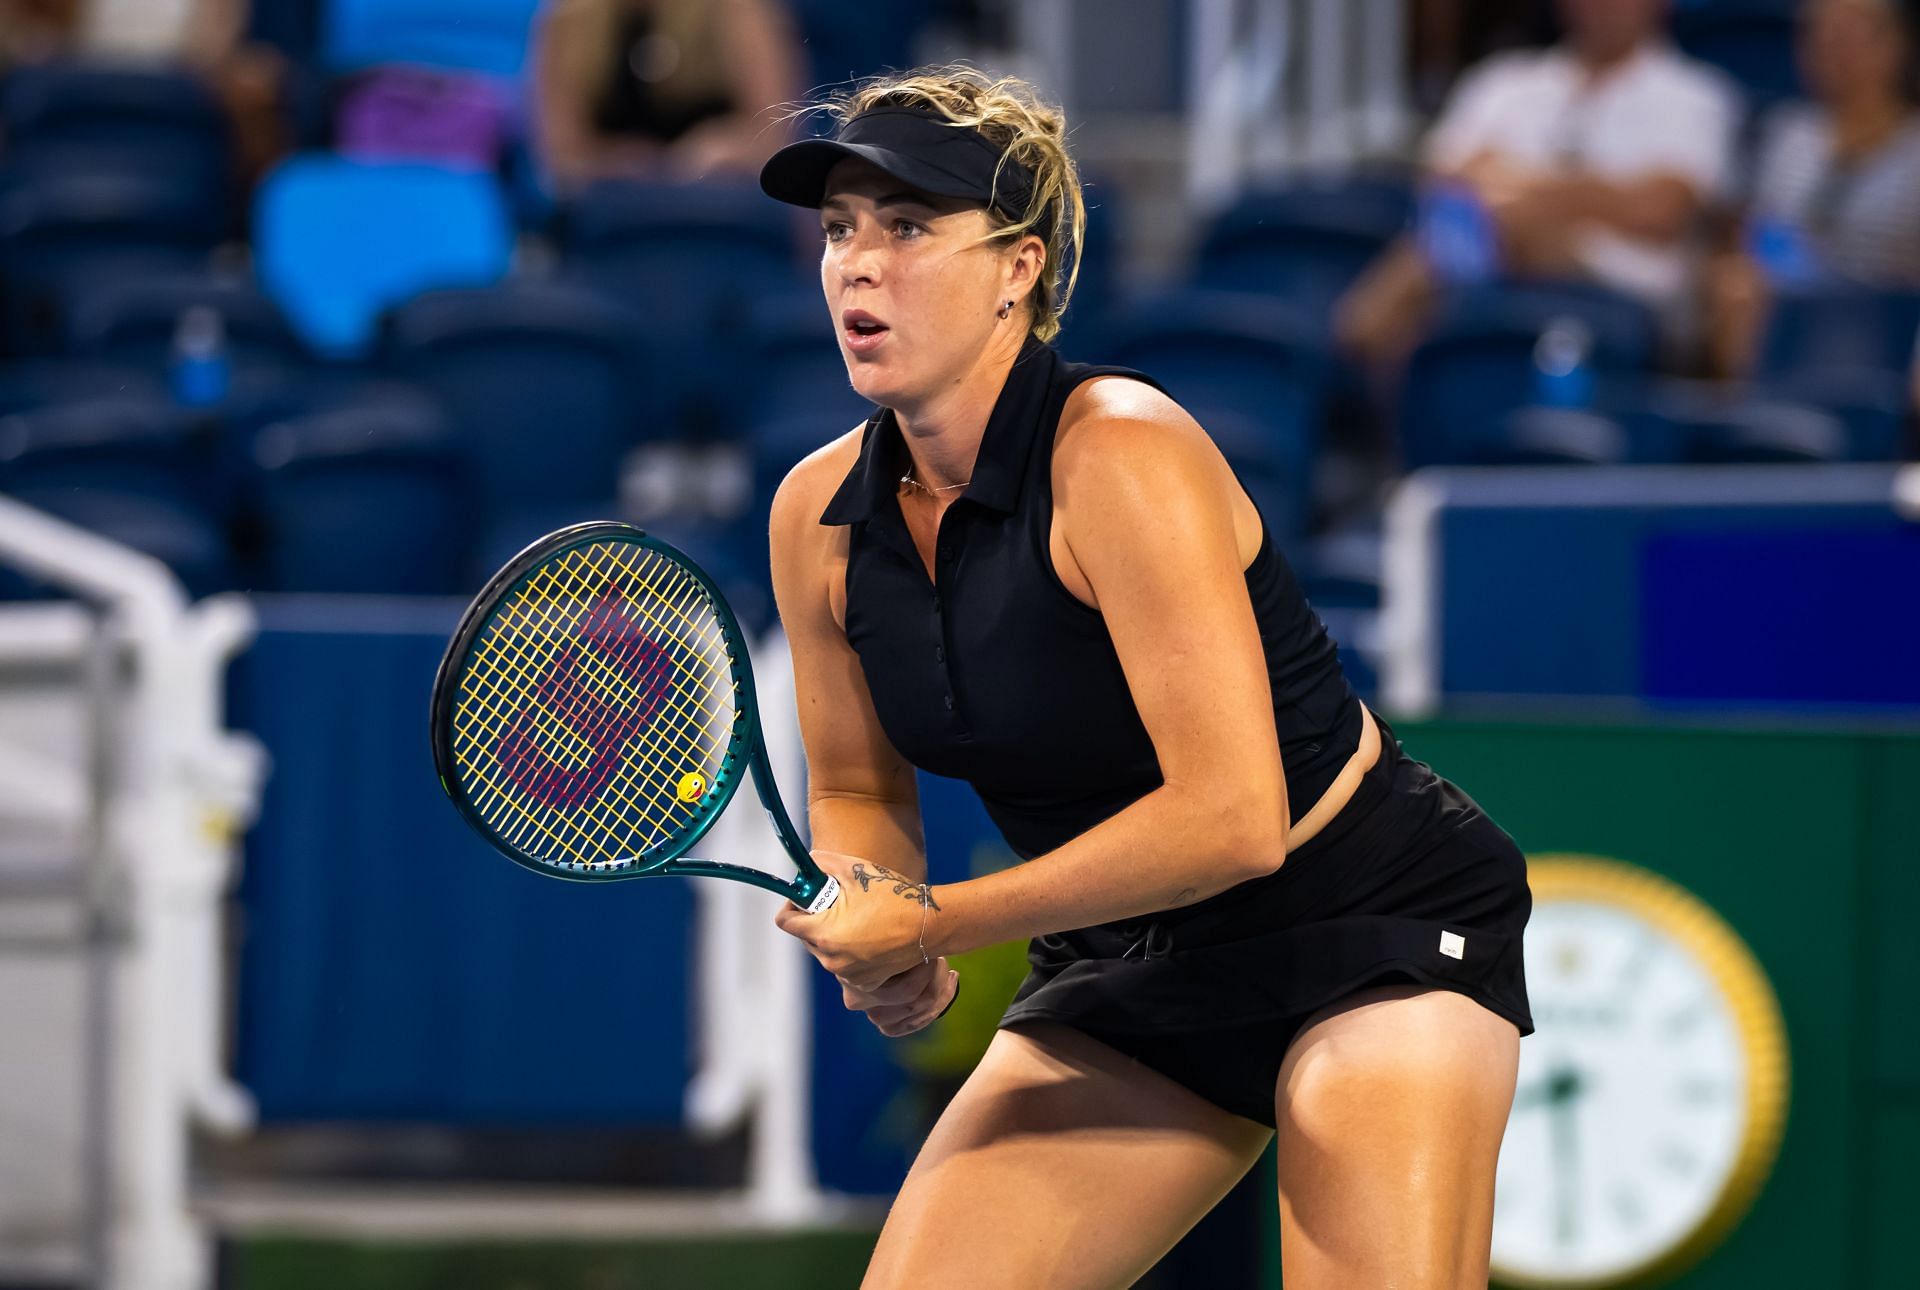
[[907, 229], [833, 231]]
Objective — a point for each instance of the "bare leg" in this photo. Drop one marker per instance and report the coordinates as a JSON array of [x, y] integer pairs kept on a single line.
[[1391, 1106], [1060, 1163]]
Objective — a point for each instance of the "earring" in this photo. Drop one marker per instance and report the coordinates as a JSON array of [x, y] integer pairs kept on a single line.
[[1006, 309]]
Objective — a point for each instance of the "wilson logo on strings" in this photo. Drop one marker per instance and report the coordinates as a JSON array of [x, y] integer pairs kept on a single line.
[[602, 690]]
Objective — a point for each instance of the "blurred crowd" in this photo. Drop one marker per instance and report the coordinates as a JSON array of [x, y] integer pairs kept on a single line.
[[1613, 205], [1610, 156]]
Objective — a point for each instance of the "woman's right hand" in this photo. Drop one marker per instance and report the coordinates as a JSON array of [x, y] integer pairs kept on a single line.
[[911, 1001]]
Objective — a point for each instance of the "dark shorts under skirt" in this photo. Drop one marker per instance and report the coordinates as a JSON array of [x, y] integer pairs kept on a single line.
[[1411, 882]]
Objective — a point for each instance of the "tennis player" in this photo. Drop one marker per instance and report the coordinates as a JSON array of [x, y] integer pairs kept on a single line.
[[1247, 909]]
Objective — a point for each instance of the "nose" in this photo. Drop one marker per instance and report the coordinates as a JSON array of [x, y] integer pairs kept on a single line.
[[860, 254]]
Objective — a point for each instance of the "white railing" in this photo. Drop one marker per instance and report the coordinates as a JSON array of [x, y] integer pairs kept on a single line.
[[150, 799], [1281, 85]]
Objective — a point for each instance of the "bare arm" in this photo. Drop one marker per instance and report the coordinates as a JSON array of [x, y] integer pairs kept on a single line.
[[862, 798], [1148, 507]]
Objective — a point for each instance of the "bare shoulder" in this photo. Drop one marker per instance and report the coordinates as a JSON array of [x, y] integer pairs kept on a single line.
[[811, 484], [1121, 443], [1115, 429], [809, 557]]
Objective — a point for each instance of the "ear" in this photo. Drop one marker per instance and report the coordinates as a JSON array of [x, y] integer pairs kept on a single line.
[[1026, 263]]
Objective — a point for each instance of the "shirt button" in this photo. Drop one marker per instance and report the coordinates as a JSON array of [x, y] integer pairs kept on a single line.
[[936, 604], [949, 703], [939, 653]]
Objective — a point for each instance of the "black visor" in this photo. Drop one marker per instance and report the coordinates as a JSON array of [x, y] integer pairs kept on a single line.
[[921, 148]]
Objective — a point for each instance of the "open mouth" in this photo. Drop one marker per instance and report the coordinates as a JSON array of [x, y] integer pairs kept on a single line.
[[864, 332]]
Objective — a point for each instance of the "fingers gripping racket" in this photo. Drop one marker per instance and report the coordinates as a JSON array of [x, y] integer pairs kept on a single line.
[[594, 714]]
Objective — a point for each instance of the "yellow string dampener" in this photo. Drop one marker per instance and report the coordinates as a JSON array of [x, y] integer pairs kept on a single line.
[[594, 713]]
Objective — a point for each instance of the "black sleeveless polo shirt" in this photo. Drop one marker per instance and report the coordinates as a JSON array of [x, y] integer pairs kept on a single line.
[[994, 673]]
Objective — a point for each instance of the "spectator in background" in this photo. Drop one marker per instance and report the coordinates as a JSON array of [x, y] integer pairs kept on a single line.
[[1592, 159], [34, 31], [205, 37], [663, 89], [1835, 190]]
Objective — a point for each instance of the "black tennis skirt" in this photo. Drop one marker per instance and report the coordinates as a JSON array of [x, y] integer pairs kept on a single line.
[[1410, 882]]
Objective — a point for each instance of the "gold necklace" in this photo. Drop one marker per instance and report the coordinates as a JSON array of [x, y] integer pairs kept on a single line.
[[943, 488]]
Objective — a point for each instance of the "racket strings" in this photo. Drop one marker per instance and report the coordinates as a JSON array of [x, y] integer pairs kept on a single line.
[[565, 585], [587, 701], [572, 587]]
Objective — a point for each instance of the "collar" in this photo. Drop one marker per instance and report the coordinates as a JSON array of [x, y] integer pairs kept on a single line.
[[870, 487]]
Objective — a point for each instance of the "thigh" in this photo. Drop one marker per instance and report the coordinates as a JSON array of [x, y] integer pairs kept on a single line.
[[1391, 1105], [1060, 1163]]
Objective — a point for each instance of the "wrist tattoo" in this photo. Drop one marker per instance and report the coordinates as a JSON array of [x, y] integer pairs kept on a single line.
[[1185, 896], [866, 875]]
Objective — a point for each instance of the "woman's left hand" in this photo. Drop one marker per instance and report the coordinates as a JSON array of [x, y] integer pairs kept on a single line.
[[871, 933]]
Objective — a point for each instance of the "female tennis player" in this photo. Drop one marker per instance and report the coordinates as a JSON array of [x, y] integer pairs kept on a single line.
[[1247, 910]]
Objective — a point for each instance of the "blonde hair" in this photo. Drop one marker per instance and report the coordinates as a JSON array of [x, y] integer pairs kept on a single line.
[[1008, 113]]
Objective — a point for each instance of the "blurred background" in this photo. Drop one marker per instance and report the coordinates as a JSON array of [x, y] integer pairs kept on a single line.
[[1568, 348]]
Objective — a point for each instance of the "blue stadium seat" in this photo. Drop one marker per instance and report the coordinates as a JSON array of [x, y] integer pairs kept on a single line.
[[1872, 406], [132, 469], [798, 369], [1676, 421], [1753, 44], [546, 385], [1839, 330], [488, 36], [162, 124], [131, 321], [1476, 367], [690, 259], [1303, 244], [365, 497], [64, 232], [1226, 353], [30, 384], [842, 41], [337, 242]]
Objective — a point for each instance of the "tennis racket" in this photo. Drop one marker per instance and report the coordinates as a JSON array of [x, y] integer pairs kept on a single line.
[[594, 714]]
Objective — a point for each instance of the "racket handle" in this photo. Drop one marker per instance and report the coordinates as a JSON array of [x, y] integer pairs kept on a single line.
[[821, 899]]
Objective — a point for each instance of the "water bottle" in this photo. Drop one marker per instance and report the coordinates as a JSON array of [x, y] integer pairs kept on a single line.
[[1456, 235], [1562, 365], [1784, 252], [200, 370]]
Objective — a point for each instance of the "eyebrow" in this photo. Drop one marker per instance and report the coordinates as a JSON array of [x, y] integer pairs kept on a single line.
[[890, 199]]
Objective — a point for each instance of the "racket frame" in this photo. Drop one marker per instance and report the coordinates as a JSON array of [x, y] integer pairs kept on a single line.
[[813, 889]]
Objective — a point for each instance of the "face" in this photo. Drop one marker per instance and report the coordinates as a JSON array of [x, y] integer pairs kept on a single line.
[[1612, 27], [1850, 47], [914, 294]]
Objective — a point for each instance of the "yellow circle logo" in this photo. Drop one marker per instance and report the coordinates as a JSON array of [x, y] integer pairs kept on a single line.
[[692, 785]]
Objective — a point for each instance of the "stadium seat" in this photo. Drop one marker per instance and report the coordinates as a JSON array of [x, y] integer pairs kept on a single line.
[[1752, 43], [1839, 330], [131, 321], [489, 36], [798, 370], [365, 497], [1707, 422], [1304, 244], [337, 242], [130, 468], [30, 384], [1476, 366], [690, 259], [66, 231], [545, 382], [162, 124], [1254, 368]]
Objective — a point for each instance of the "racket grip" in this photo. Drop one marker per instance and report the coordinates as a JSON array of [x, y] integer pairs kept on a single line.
[[824, 898]]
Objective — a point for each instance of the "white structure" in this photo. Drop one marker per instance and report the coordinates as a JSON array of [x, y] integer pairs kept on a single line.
[[121, 796]]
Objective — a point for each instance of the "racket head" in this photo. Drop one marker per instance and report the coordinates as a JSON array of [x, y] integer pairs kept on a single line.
[[593, 713]]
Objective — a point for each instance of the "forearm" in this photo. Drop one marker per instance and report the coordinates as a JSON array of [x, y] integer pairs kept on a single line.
[[884, 831], [1659, 209], [1165, 850]]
